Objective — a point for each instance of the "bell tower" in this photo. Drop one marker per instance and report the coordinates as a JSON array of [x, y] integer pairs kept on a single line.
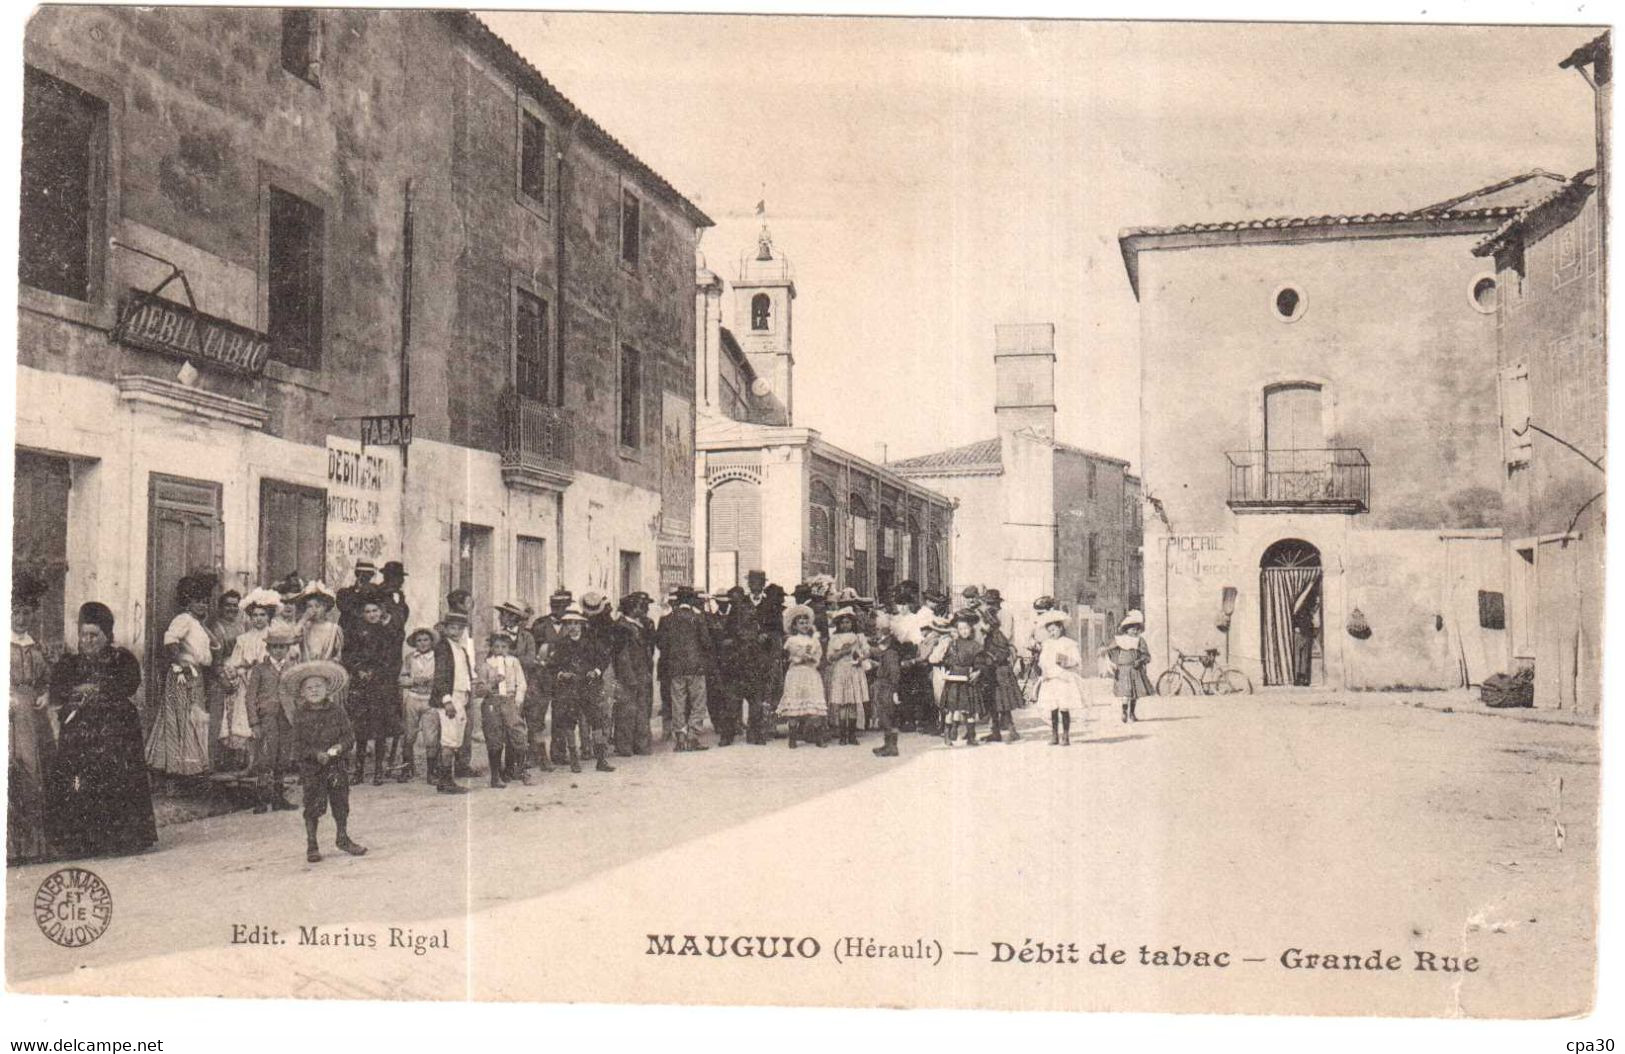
[[763, 295]]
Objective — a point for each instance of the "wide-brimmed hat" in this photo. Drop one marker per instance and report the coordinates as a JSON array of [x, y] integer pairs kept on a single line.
[[967, 616], [796, 611], [561, 596], [395, 567], [573, 616], [296, 675], [513, 607], [1133, 618], [1052, 617], [686, 595], [318, 589], [261, 598], [594, 602], [840, 613], [290, 587], [282, 633], [421, 631], [993, 596], [851, 596], [456, 617]]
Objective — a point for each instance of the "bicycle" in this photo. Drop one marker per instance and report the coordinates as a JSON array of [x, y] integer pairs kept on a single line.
[[1209, 679]]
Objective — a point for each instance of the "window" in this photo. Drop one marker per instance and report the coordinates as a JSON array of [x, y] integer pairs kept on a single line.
[[302, 44], [530, 345], [531, 576], [295, 307], [293, 531], [1289, 303], [1492, 613], [532, 156], [1090, 478], [1483, 294], [631, 430], [631, 241], [1094, 556], [63, 137], [761, 311]]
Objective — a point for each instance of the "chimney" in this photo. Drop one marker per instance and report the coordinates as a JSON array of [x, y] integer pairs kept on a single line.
[[1024, 362]]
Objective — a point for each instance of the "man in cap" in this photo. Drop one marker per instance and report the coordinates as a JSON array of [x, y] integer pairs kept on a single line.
[[451, 692], [598, 609], [354, 595], [511, 619], [631, 676], [548, 631], [761, 642], [730, 633], [685, 643], [393, 591]]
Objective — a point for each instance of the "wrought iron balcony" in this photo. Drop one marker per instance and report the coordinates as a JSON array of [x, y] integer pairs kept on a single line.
[[538, 444], [1330, 480]]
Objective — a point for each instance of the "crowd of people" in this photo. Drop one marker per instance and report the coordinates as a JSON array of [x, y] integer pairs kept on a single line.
[[299, 679]]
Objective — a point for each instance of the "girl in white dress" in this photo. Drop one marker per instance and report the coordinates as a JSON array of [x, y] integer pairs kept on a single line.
[[1060, 686]]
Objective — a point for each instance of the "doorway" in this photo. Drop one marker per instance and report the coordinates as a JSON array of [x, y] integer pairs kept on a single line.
[[39, 538], [184, 536], [1289, 590], [1295, 466], [474, 573]]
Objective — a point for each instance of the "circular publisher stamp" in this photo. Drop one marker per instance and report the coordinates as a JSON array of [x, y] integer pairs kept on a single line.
[[73, 907]]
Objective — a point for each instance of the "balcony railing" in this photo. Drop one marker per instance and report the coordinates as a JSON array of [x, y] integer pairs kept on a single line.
[[1330, 480], [538, 443]]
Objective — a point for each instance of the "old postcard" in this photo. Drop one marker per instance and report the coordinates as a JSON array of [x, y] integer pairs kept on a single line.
[[1110, 513]]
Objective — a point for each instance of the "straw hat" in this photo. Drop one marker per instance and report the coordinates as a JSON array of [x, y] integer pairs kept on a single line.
[[1050, 618], [1133, 618], [282, 633], [594, 603], [261, 598], [294, 677], [513, 607], [794, 612], [573, 616]]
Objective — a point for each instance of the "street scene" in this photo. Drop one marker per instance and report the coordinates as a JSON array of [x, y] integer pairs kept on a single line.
[[511, 531]]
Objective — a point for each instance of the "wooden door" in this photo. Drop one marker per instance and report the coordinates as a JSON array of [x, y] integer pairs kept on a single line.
[[1294, 443], [184, 536], [531, 557], [474, 575]]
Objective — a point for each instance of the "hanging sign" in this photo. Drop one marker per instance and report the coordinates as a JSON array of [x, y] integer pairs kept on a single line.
[[155, 324], [386, 430]]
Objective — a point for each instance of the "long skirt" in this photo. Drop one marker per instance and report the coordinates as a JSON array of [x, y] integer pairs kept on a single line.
[[236, 731], [803, 693], [959, 701], [30, 754], [99, 798], [178, 743]]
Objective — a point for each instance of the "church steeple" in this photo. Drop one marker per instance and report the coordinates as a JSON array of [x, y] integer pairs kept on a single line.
[[764, 294]]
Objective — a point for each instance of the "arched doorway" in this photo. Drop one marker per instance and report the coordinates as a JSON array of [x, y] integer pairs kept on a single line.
[[1289, 590], [734, 532]]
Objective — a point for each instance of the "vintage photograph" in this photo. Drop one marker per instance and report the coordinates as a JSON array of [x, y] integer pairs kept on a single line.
[[1112, 511]]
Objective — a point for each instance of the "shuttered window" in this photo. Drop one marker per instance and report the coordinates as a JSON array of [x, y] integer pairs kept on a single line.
[[736, 521], [293, 531]]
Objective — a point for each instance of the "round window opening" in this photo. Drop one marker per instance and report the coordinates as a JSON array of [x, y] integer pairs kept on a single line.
[[1485, 293], [1289, 304]]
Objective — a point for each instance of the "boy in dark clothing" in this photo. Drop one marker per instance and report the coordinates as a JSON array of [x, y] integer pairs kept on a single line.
[[323, 742], [883, 693], [579, 682]]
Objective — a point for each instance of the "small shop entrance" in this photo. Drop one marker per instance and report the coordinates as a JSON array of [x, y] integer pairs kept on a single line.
[[1289, 589]]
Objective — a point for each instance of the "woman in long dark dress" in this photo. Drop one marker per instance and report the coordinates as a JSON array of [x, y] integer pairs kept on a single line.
[[98, 799], [372, 657]]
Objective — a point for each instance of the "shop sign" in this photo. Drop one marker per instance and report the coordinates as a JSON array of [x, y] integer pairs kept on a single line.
[[152, 323]]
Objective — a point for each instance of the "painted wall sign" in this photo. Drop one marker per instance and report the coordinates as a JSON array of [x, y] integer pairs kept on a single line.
[[363, 507], [155, 324]]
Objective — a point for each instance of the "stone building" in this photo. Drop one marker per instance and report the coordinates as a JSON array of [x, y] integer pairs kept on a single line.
[[244, 229], [777, 495], [1551, 337], [1037, 516], [1315, 396]]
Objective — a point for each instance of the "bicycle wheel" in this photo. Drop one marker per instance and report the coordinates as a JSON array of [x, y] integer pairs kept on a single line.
[[1172, 682], [1233, 682]]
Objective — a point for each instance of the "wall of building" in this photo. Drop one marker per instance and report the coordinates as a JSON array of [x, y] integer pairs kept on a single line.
[[1078, 516], [1389, 328], [1551, 321], [979, 543], [1416, 590]]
